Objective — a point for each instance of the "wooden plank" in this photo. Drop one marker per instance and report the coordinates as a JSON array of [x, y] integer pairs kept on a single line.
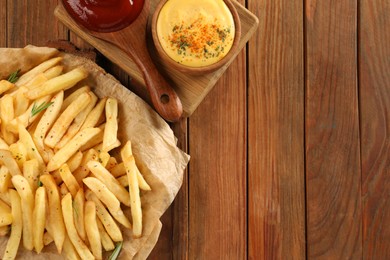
[[217, 177], [3, 23], [276, 133], [374, 78], [33, 22], [333, 174]]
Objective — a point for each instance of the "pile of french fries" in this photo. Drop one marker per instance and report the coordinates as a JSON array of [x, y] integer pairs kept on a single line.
[[58, 181]]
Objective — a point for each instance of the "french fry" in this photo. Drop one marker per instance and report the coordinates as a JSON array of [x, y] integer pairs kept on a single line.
[[69, 180], [92, 230], [119, 171], [35, 82], [56, 221], [98, 139], [104, 157], [65, 119], [78, 121], [27, 197], [21, 102], [7, 115], [75, 161], [108, 222], [107, 243], [5, 179], [53, 72], [108, 198], [47, 120], [110, 140], [123, 181], [69, 250], [4, 197], [94, 116], [111, 163], [19, 152], [67, 212], [72, 97], [78, 213], [62, 82], [82, 171], [4, 230], [47, 239], [17, 225], [26, 77], [8, 160], [136, 211], [5, 214], [63, 190], [112, 184], [71, 148], [31, 173], [5, 85], [39, 218], [3, 144], [32, 151]]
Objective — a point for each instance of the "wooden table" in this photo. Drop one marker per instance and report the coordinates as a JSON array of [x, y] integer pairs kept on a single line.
[[290, 150]]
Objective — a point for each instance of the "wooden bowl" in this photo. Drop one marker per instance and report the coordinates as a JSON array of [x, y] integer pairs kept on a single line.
[[165, 59]]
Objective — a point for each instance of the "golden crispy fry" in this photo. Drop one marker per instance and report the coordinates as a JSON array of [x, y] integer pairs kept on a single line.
[[69, 250], [103, 158], [78, 213], [8, 160], [63, 190], [47, 238], [4, 230], [108, 198], [25, 192], [75, 161], [31, 173], [111, 163], [46, 121], [69, 179], [106, 240], [71, 148], [26, 77], [5, 85], [7, 114], [118, 170], [5, 179], [94, 116], [92, 230], [108, 222], [54, 72], [21, 102], [56, 221], [78, 121], [3, 144], [112, 184], [136, 211], [4, 197], [110, 140], [123, 181], [35, 82], [72, 97], [65, 119], [17, 225], [19, 152], [32, 151], [39, 218], [67, 212], [83, 170], [5, 214], [62, 82]]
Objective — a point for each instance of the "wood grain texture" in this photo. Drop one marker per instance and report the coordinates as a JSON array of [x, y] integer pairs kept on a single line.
[[3, 23], [217, 177], [276, 191], [332, 131], [374, 78], [32, 23]]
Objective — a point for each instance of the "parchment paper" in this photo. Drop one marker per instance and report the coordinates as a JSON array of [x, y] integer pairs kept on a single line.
[[154, 146]]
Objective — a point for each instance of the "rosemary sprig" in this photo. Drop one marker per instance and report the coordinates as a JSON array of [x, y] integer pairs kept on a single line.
[[116, 251], [36, 109], [14, 76]]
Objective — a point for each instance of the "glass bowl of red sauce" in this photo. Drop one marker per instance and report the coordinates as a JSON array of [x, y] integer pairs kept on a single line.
[[196, 36], [104, 15]]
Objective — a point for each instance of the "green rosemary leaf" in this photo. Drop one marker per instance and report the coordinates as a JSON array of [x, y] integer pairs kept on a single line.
[[36, 109], [116, 251], [14, 76]]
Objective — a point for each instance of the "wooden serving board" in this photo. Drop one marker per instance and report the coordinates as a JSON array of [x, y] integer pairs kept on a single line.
[[191, 89]]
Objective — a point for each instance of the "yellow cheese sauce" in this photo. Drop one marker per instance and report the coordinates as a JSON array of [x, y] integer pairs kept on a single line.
[[195, 33]]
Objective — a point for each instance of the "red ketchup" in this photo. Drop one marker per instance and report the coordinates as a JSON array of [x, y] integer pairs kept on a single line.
[[104, 15]]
